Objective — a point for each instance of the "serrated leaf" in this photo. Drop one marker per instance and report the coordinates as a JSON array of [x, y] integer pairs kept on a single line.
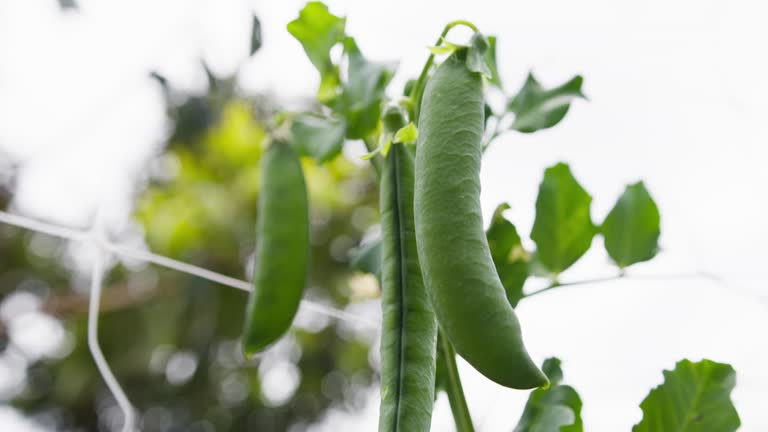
[[557, 408], [367, 258], [536, 108], [360, 103], [632, 227], [318, 137], [318, 31], [509, 256], [490, 60], [255, 35], [478, 46], [563, 228], [407, 134], [695, 397]]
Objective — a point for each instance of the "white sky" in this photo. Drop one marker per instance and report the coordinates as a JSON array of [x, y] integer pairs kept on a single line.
[[678, 97]]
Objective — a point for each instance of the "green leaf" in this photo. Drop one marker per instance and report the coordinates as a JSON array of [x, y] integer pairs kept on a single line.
[[442, 49], [563, 228], [360, 103], [557, 408], [536, 108], [407, 134], [367, 258], [318, 31], [68, 4], [408, 87], [695, 397], [490, 61], [386, 143], [318, 137], [445, 48], [509, 256], [632, 227], [328, 90], [478, 47], [255, 35]]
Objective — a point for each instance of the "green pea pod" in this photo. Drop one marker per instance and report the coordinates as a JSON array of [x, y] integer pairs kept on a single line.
[[409, 332], [465, 290], [282, 249]]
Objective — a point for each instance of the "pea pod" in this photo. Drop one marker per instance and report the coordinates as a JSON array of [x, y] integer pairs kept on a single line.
[[409, 332], [282, 249], [465, 290]]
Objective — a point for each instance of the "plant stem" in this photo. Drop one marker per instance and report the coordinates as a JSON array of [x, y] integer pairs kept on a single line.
[[371, 146], [696, 275], [497, 132], [421, 82], [456, 398]]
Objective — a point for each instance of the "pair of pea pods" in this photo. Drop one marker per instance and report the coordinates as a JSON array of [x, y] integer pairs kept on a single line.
[[437, 269]]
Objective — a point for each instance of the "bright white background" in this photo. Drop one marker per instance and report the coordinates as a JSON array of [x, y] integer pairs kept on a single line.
[[678, 97]]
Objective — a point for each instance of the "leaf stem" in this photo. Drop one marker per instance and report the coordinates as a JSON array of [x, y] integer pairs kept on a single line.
[[375, 162], [456, 398], [497, 131], [421, 82], [625, 276]]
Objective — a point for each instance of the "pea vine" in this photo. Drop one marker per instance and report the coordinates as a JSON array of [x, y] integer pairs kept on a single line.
[[353, 106]]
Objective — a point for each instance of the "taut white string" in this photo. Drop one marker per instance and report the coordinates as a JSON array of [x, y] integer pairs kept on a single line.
[[126, 251], [97, 237]]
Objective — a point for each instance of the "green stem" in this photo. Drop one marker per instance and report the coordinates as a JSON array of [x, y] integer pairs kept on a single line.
[[421, 82], [375, 161], [624, 276], [497, 131], [456, 398]]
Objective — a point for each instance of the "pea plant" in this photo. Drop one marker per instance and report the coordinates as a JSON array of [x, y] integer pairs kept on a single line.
[[448, 286]]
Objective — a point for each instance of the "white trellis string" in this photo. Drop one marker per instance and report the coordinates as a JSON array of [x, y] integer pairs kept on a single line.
[[97, 271], [126, 251]]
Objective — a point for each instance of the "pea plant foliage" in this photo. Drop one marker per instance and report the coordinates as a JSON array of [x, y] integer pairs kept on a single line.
[[448, 285]]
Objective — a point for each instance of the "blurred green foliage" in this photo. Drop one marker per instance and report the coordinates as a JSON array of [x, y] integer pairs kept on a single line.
[[171, 338]]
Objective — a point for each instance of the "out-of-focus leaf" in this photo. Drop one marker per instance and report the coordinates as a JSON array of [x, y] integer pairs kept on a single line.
[[192, 119], [408, 88], [509, 256], [537, 108], [557, 408], [478, 47], [318, 31], [236, 139], [367, 258], [360, 103], [563, 228], [329, 86], [632, 227], [490, 61], [695, 397], [318, 137], [255, 35], [68, 4]]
